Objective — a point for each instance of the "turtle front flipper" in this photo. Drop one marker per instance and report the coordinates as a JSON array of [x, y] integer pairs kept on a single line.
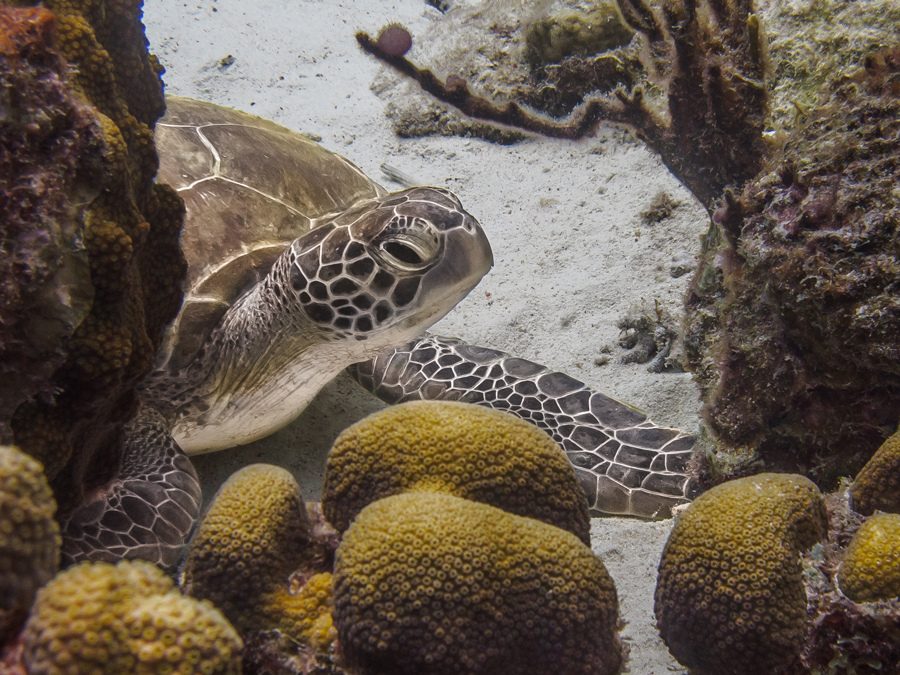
[[626, 464], [147, 511]]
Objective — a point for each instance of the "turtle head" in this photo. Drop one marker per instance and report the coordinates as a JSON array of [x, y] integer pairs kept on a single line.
[[389, 268]]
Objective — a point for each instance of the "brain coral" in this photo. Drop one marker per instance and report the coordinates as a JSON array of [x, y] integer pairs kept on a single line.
[[29, 536], [877, 485], [871, 567], [254, 535], [129, 618], [457, 448], [730, 598], [432, 583], [125, 226]]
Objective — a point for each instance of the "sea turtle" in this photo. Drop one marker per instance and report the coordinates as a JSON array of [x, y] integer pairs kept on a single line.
[[298, 266], [373, 270]]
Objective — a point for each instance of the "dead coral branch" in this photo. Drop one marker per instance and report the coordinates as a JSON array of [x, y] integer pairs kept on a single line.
[[707, 57]]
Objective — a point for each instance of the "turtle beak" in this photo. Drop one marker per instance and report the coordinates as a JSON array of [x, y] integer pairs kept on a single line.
[[465, 259], [478, 246]]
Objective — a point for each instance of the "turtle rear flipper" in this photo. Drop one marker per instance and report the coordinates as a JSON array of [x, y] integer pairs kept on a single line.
[[147, 511]]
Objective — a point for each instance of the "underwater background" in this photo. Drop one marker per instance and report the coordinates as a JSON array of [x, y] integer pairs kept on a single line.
[[727, 263]]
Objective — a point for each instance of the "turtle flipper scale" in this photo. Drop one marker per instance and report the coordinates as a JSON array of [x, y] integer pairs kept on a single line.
[[626, 464], [147, 511]]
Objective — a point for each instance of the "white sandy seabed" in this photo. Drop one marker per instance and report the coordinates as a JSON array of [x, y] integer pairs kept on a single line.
[[572, 254]]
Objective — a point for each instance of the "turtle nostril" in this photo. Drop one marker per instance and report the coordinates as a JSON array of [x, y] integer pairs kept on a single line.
[[403, 252]]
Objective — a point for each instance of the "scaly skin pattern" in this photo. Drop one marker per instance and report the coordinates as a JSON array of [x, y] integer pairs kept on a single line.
[[626, 464], [147, 511]]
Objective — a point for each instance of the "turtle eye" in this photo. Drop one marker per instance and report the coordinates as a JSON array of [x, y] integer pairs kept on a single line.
[[407, 245], [407, 252], [403, 252]]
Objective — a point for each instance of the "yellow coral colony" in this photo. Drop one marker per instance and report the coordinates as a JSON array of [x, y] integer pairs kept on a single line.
[[128, 618], [249, 542], [730, 596], [877, 486], [457, 448], [468, 549], [29, 535], [870, 570], [430, 582]]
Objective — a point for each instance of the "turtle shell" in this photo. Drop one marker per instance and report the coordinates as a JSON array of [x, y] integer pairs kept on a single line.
[[250, 187]]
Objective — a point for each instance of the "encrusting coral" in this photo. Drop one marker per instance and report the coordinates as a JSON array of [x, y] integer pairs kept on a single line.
[[877, 485], [45, 285], [456, 448], [128, 618], [432, 583], [871, 567], [101, 174], [730, 596], [29, 536], [550, 39], [794, 314], [255, 535]]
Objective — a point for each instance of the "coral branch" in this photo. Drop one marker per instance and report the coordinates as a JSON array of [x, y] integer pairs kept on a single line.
[[622, 110], [708, 59]]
